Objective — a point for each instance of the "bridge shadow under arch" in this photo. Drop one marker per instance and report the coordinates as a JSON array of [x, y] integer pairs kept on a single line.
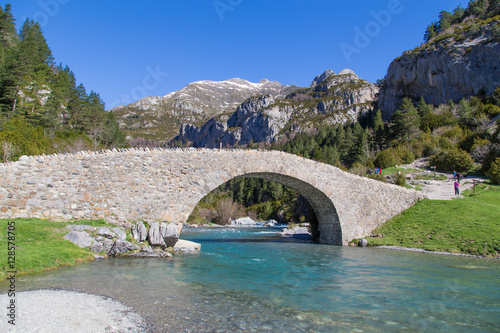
[[329, 228]]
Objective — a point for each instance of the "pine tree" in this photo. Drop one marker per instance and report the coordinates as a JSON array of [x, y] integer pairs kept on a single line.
[[458, 15], [77, 108], [431, 31], [8, 33], [406, 121], [10, 77], [423, 108], [477, 8], [444, 21], [34, 53], [494, 8], [378, 128]]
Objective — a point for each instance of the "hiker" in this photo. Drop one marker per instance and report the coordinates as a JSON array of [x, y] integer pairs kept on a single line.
[[457, 190], [458, 177], [454, 175]]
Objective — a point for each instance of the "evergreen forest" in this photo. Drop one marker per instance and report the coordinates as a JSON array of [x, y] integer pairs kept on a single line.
[[43, 109]]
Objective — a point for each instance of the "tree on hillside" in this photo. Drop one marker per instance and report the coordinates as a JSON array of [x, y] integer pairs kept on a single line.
[[406, 121], [35, 53], [8, 33], [431, 31], [378, 132], [477, 8], [458, 15], [423, 108], [445, 18], [494, 8]]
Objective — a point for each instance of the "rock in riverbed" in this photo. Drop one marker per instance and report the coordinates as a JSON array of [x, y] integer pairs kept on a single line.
[[187, 246], [80, 238], [113, 242]]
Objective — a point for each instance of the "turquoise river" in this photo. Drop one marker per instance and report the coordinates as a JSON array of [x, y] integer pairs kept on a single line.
[[251, 280]]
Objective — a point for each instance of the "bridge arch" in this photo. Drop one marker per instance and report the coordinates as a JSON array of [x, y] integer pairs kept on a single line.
[[330, 231], [166, 184]]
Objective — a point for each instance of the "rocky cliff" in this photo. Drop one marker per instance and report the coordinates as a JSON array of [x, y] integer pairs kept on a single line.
[[330, 99], [160, 117], [455, 65]]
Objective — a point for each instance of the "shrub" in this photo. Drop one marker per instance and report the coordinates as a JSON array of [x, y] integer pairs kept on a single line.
[[491, 110], [400, 179], [455, 159], [378, 177], [490, 158], [387, 158], [445, 143], [25, 139], [494, 171], [358, 168], [432, 121], [406, 156], [455, 132]]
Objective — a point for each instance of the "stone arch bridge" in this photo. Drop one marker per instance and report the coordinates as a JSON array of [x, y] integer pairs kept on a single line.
[[132, 184]]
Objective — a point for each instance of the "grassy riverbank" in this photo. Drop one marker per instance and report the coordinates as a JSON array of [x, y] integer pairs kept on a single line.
[[39, 245], [470, 225]]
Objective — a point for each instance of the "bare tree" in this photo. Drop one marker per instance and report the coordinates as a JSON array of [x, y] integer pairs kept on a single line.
[[8, 149], [95, 134], [226, 210]]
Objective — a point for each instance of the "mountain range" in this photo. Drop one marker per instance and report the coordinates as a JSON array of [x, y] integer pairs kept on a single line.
[[460, 62], [236, 111], [160, 117]]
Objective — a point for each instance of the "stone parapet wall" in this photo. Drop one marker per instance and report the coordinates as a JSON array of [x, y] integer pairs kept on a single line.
[[123, 185]]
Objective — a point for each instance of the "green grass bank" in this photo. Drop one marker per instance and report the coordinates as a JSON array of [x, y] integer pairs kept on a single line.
[[470, 225], [35, 245]]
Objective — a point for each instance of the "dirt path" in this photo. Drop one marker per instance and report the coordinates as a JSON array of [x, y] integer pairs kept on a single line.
[[440, 189]]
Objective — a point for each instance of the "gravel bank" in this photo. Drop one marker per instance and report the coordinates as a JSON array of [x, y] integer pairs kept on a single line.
[[65, 311]]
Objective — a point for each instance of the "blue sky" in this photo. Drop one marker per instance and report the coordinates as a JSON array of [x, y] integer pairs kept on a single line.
[[126, 50]]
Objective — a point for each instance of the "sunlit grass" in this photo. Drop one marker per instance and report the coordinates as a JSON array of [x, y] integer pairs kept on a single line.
[[40, 245], [395, 170], [470, 225]]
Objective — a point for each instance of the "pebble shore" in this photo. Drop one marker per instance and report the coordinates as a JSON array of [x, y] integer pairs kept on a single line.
[[66, 311]]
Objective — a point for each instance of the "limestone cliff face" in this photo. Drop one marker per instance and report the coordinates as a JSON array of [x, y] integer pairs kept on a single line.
[[245, 125], [331, 99], [453, 66]]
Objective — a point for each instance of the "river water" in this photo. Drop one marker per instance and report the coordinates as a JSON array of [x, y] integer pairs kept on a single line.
[[251, 280]]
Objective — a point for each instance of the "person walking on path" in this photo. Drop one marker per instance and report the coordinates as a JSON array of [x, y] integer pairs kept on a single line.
[[454, 175], [456, 185]]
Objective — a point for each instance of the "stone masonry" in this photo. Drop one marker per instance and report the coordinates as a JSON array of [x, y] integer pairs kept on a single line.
[[165, 185]]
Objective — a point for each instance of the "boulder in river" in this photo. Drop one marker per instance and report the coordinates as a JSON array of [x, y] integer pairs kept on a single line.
[[243, 222], [119, 247], [97, 247], [105, 232], [363, 242], [187, 246], [120, 233], [170, 233], [80, 238], [154, 236], [139, 231]]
